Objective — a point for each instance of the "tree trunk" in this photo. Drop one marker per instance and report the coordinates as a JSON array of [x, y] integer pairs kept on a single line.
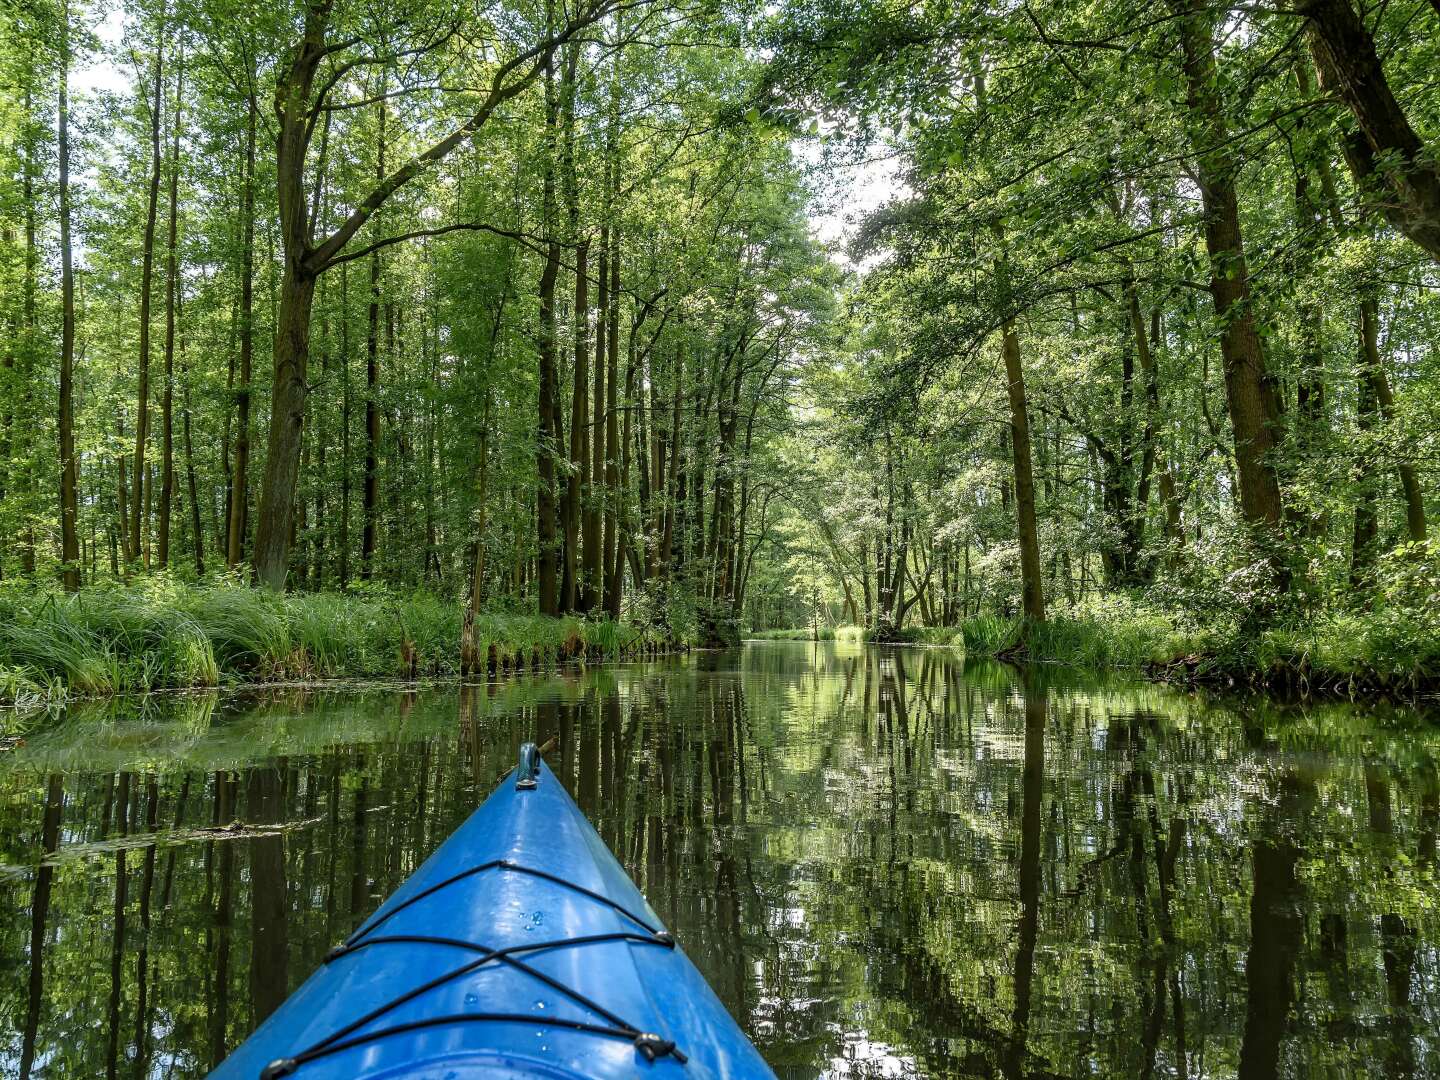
[[1367, 522], [1374, 373], [189, 441], [1031, 583], [579, 585], [472, 662], [597, 493], [673, 495], [344, 537], [369, 541], [547, 445], [287, 405], [240, 469], [22, 441], [617, 443], [69, 467], [1255, 415], [172, 279], [1386, 153], [138, 518], [619, 487]]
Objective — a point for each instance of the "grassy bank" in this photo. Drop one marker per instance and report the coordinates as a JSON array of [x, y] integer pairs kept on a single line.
[[1393, 649], [164, 635]]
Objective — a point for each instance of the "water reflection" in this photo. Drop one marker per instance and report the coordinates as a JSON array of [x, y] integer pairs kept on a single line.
[[887, 862]]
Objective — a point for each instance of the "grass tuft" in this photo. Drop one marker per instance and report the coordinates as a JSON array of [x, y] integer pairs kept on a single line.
[[157, 633]]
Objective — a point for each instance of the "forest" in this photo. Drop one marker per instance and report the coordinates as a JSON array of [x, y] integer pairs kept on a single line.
[[1107, 335]]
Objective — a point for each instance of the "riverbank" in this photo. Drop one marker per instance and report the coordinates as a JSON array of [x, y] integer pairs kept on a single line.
[[159, 635], [1390, 651]]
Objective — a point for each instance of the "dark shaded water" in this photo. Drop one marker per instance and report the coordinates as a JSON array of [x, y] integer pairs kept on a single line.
[[887, 862]]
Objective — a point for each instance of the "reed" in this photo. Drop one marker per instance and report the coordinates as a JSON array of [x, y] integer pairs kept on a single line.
[[161, 634]]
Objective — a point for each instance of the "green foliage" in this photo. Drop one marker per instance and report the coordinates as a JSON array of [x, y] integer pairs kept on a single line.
[[1393, 646], [161, 634]]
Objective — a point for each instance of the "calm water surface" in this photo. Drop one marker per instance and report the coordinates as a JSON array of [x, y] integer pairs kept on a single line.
[[888, 862]]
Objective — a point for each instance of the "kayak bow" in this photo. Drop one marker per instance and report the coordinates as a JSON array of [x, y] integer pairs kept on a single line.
[[519, 949]]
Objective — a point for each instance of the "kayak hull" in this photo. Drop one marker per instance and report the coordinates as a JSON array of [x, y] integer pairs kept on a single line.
[[419, 990]]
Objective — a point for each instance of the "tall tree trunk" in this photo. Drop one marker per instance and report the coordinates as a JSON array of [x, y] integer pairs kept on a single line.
[[1415, 523], [321, 478], [1255, 415], [547, 445], [344, 536], [1367, 523], [371, 504], [617, 443], [172, 280], [1386, 153], [186, 435], [69, 467], [1031, 580], [1373, 373], [598, 493], [282, 456], [579, 586], [240, 467], [24, 440], [138, 519], [672, 492], [472, 662]]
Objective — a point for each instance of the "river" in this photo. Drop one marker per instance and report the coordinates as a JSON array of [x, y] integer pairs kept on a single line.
[[888, 862]]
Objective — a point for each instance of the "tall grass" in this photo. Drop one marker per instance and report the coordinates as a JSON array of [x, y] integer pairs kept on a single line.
[[161, 634], [799, 633], [1392, 647]]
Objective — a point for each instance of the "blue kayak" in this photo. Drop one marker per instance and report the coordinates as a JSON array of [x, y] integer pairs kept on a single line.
[[519, 949]]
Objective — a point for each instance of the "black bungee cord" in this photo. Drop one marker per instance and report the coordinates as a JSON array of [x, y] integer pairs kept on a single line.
[[651, 1046]]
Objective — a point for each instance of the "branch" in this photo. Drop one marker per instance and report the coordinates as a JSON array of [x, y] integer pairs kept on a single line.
[[533, 243]]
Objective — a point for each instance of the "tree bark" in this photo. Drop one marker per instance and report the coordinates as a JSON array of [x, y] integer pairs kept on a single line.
[[1255, 414], [1367, 523], [186, 435], [618, 482], [1382, 396], [172, 280], [1032, 588], [23, 440], [138, 518], [547, 445], [579, 587], [69, 467], [471, 660], [1408, 182], [370, 537], [602, 447], [240, 468], [344, 537]]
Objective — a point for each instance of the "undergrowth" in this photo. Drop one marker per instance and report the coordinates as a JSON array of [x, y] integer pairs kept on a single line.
[[161, 634], [1394, 646]]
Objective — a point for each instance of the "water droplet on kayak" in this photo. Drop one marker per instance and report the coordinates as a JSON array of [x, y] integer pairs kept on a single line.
[[540, 1004], [472, 999]]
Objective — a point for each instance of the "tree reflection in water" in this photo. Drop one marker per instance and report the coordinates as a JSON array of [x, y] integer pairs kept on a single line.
[[887, 862]]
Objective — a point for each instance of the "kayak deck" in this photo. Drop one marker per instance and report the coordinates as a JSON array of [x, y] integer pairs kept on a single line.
[[520, 949]]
